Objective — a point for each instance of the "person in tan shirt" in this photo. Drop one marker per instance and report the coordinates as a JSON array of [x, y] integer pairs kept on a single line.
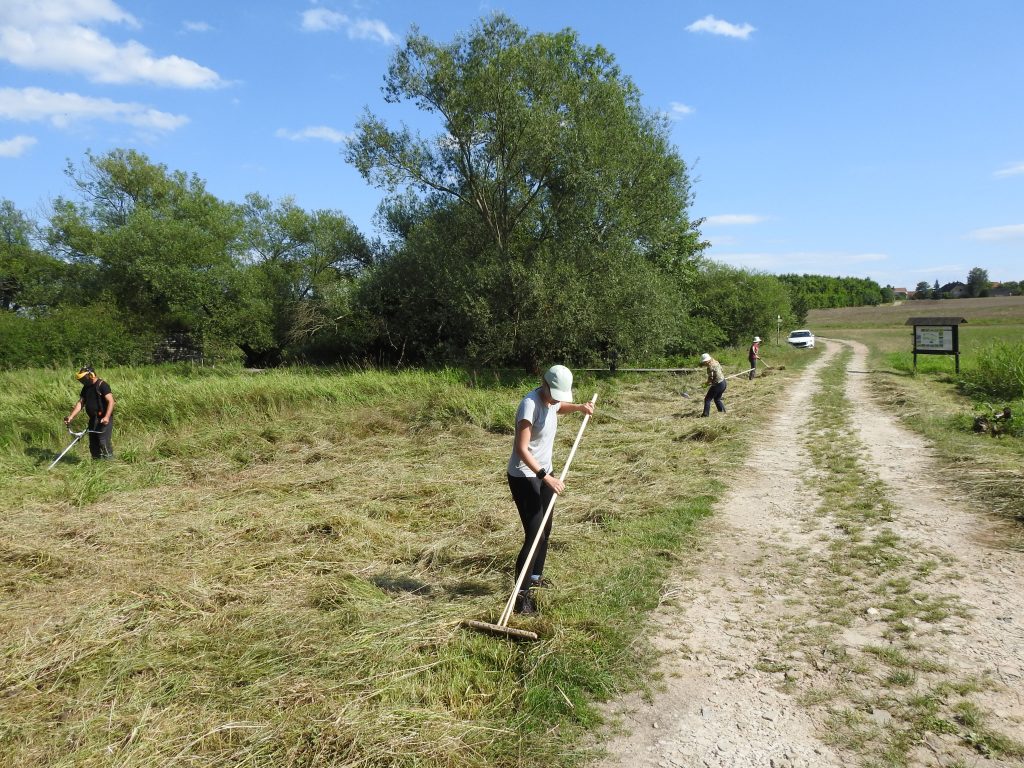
[[716, 384]]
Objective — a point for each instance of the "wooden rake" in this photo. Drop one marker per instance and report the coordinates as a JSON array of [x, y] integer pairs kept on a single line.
[[501, 628]]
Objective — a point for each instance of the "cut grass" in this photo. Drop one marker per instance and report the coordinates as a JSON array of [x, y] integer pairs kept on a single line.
[[275, 570]]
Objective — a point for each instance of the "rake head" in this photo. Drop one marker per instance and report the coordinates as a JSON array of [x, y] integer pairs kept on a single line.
[[496, 630]]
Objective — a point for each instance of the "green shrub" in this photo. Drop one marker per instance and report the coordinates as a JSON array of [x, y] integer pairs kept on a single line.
[[72, 336], [997, 371]]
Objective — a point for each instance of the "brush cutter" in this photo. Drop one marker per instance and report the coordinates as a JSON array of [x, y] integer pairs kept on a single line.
[[501, 629], [77, 436], [741, 373], [733, 376]]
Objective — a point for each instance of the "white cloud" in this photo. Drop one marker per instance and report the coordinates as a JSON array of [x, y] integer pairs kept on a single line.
[[197, 26], [731, 219], [677, 110], [1008, 232], [63, 109], [58, 35], [324, 20], [38, 13], [822, 263], [322, 132], [1011, 170], [17, 146], [714, 26]]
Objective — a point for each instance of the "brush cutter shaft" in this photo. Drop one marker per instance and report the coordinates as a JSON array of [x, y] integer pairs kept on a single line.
[[741, 373], [507, 613], [78, 436]]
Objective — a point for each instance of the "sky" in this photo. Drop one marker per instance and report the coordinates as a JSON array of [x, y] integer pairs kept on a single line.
[[868, 138]]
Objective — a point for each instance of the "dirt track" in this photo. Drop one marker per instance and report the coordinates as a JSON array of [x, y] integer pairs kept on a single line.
[[737, 691]]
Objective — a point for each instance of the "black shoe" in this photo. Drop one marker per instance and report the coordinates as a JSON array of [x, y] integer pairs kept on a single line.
[[543, 583], [524, 603]]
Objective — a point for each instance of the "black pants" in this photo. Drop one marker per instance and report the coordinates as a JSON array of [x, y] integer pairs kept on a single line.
[[715, 392], [532, 497], [99, 438], [753, 368]]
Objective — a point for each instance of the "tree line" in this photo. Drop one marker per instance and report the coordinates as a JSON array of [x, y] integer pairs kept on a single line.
[[547, 219], [824, 292]]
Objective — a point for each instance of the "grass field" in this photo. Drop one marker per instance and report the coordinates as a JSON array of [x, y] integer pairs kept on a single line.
[[932, 400], [275, 569], [1005, 310]]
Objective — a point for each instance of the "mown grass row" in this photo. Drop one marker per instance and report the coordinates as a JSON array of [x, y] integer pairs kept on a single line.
[[276, 570]]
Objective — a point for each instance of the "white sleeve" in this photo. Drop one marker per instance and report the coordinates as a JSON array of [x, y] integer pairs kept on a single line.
[[527, 410]]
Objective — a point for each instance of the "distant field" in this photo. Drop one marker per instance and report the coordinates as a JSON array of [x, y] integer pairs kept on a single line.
[[993, 311]]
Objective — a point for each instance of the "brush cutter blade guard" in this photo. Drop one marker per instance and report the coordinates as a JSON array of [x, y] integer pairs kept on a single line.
[[511, 633]]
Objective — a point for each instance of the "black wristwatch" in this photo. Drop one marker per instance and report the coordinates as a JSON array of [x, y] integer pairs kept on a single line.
[[542, 474]]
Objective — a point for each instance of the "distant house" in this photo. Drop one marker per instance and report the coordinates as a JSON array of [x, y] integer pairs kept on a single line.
[[998, 289], [902, 293], [955, 290]]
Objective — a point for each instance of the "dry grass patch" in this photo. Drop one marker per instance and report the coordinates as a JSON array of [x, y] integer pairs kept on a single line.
[[279, 578]]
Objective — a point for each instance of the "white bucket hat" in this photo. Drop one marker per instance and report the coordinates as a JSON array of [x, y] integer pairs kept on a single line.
[[757, 339], [559, 381], [705, 357]]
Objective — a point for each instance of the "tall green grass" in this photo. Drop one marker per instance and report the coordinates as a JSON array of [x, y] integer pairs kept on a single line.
[[994, 369], [997, 371]]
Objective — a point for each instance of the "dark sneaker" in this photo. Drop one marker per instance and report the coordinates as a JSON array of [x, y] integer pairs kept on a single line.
[[524, 603], [543, 583]]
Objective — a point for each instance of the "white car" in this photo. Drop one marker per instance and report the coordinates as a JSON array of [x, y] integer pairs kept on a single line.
[[802, 339]]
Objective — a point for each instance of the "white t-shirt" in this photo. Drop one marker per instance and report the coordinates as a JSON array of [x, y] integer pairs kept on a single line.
[[543, 423]]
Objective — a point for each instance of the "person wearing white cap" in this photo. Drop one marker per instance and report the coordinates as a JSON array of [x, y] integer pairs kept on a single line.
[[753, 357], [716, 382], [529, 468]]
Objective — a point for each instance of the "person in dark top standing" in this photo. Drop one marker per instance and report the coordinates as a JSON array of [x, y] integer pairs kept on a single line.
[[98, 402], [753, 357]]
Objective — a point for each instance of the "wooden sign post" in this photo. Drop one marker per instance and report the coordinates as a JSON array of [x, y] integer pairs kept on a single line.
[[936, 336]]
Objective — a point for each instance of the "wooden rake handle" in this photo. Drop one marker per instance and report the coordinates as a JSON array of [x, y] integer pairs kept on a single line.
[[507, 613]]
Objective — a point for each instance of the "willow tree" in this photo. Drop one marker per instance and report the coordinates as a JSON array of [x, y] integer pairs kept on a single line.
[[158, 246], [572, 205]]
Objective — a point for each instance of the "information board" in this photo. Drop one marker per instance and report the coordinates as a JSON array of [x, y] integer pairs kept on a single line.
[[933, 338], [937, 336]]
